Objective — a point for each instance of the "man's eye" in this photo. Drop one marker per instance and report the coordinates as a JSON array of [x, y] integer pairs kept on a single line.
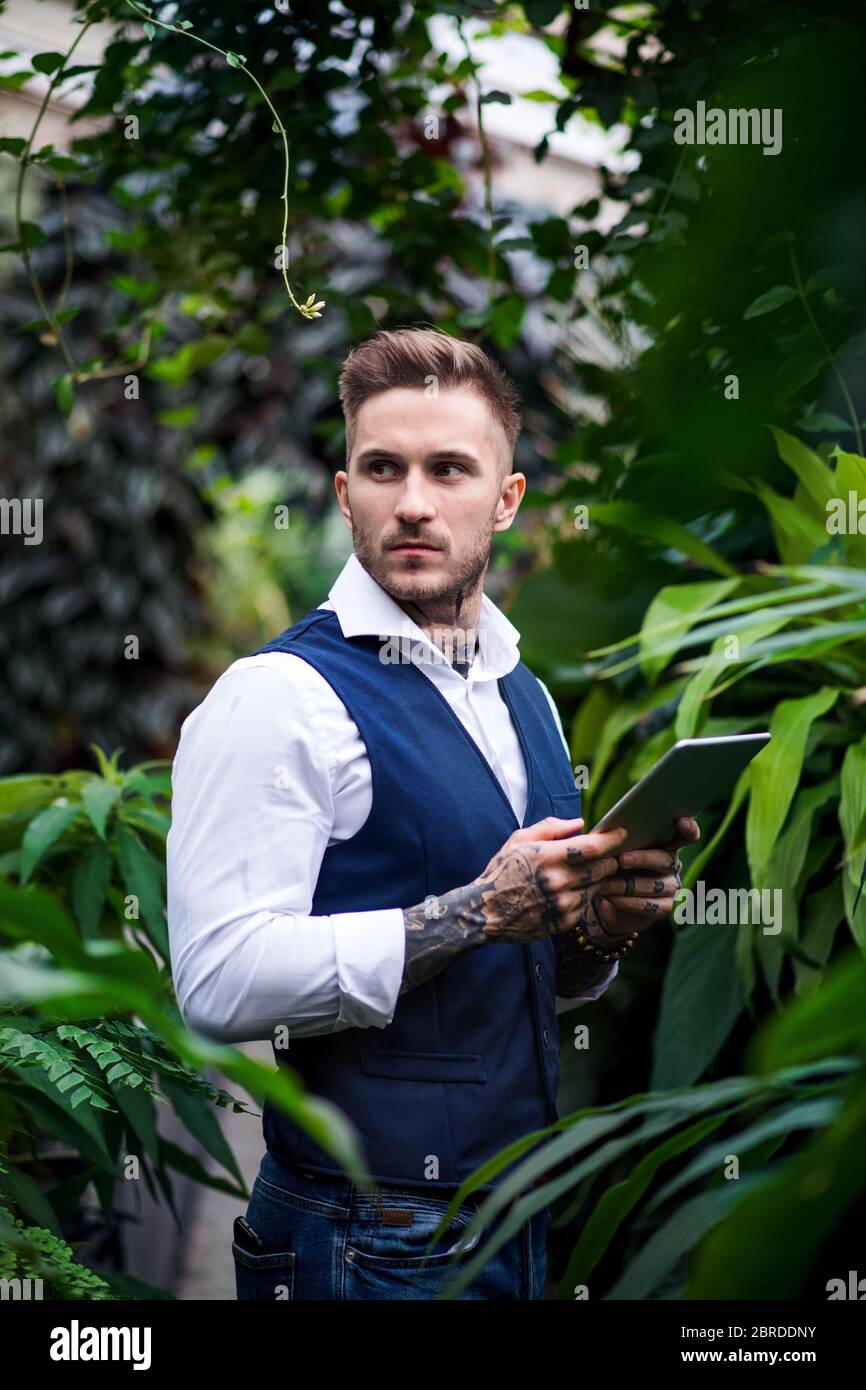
[[453, 465]]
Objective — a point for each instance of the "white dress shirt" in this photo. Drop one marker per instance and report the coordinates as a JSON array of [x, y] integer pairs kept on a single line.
[[270, 771]]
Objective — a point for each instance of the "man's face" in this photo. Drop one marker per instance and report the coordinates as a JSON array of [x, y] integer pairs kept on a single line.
[[424, 493]]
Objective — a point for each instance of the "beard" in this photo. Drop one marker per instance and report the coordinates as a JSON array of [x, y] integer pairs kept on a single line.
[[414, 585]]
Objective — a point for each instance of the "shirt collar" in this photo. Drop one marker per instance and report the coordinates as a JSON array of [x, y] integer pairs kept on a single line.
[[364, 608]]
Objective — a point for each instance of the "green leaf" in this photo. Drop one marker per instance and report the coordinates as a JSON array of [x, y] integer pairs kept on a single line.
[[664, 1111], [506, 320], [821, 914], [641, 520], [826, 1020], [823, 422], [540, 13], [180, 418], [851, 478], [694, 702], [107, 766], [173, 1156], [149, 29], [676, 608], [494, 96], [190, 358], [540, 95], [624, 716], [48, 62], [39, 325], [701, 1001], [796, 533], [784, 874], [42, 832], [770, 300], [99, 797], [65, 393], [28, 1195], [615, 1203], [811, 1114], [809, 467], [679, 1235], [89, 888], [773, 1239], [235, 59], [852, 810], [145, 878], [199, 1118], [776, 773], [31, 235]]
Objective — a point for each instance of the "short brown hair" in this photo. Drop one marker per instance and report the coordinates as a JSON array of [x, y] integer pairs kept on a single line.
[[408, 357]]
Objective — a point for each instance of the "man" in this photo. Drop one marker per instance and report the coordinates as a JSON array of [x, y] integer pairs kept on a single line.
[[376, 847]]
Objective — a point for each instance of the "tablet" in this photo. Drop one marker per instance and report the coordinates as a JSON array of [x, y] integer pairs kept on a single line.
[[689, 776]]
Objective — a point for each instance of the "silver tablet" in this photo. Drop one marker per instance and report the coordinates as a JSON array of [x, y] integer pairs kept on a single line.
[[682, 783]]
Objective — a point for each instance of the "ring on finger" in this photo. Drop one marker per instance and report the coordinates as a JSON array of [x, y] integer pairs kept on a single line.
[[613, 936]]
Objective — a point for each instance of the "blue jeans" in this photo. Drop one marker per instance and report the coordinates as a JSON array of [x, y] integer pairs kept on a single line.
[[325, 1239]]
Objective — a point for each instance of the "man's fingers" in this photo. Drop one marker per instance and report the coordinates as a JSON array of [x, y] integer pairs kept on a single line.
[[687, 832], [597, 845], [645, 907], [642, 859], [638, 886], [551, 828], [591, 870]]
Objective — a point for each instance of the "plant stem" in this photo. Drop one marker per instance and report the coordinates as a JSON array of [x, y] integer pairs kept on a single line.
[[830, 356], [488, 175], [175, 28], [19, 193]]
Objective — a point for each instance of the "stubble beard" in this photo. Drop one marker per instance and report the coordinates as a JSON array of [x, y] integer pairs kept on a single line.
[[413, 586]]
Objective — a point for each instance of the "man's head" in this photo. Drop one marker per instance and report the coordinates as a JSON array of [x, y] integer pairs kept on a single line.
[[431, 425]]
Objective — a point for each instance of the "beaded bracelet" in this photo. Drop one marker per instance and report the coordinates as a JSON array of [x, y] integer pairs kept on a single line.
[[587, 944]]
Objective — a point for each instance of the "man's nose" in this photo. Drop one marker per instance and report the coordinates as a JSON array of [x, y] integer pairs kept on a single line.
[[414, 501]]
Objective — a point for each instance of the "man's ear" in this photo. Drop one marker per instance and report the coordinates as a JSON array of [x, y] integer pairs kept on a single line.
[[509, 501], [341, 487]]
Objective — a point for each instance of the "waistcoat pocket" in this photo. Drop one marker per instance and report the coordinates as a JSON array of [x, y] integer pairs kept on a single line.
[[423, 1066], [566, 805]]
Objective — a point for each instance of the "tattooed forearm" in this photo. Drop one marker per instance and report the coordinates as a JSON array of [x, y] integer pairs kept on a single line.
[[439, 930], [531, 889]]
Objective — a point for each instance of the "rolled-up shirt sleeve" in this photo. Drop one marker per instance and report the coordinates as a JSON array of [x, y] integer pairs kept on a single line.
[[252, 814]]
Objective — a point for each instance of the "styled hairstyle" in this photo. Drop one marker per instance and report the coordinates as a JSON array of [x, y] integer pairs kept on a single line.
[[410, 357]]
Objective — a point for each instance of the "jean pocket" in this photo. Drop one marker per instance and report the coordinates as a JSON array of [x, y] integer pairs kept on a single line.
[[394, 1243], [264, 1278]]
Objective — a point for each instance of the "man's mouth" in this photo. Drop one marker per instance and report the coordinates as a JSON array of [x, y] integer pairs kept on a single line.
[[419, 547]]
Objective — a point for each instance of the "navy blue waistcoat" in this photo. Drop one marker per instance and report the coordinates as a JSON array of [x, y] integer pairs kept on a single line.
[[470, 1060]]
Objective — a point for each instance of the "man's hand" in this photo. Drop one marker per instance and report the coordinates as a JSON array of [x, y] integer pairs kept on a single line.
[[538, 884], [644, 890]]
